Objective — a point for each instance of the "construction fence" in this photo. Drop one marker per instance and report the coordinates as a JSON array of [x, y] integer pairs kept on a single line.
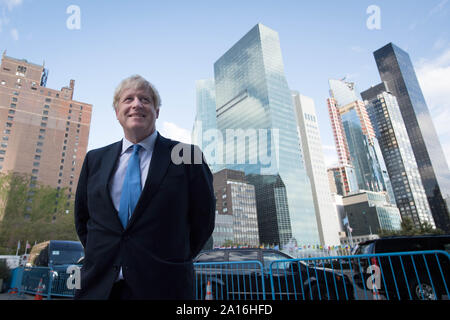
[[420, 275]]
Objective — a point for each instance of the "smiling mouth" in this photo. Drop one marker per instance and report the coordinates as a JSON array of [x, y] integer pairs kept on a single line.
[[136, 116]]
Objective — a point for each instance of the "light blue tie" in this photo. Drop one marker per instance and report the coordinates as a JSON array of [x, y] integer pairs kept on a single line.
[[131, 189]]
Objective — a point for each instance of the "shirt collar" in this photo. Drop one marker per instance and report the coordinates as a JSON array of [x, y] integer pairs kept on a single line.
[[148, 143]]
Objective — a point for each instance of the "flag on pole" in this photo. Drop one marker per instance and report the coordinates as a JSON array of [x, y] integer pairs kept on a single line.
[[345, 220], [18, 247]]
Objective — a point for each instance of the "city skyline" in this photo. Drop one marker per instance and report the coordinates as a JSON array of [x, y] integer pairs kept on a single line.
[[111, 44]]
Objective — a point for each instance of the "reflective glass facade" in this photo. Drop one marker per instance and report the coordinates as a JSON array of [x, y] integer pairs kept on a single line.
[[359, 138], [343, 92], [205, 118], [253, 101], [399, 158], [396, 69]]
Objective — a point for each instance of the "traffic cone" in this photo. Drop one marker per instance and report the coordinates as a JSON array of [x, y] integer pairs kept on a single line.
[[209, 295], [13, 291], [375, 294], [39, 292]]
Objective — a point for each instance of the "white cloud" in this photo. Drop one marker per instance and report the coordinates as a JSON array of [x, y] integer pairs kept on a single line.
[[11, 3], [434, 78], [172, 131], [15, 34]]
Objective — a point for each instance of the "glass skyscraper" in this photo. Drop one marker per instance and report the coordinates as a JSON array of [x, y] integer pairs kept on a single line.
[[205, 119], [359, 138], [396, 69], [254, 107], [396, 148]]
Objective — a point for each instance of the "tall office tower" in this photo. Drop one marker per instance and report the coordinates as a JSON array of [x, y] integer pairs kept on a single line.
[[236, 218], [271, 197], [326, 215], [205, 125], [361, 142], [398, 155], [342, 180], [254, 107], [396, 69], [45, 131]]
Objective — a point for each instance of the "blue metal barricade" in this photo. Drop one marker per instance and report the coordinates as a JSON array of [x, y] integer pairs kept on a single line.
[[420, 275], [243, 280], [35, 280], [60, 285]]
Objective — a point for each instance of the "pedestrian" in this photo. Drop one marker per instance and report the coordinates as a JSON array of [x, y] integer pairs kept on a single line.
[[141, 216]]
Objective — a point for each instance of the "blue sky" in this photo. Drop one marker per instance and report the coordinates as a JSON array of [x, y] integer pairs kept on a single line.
[[174, 43]]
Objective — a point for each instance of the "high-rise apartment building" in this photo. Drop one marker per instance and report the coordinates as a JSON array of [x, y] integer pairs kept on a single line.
[[44, 131], [254, 107], [398, 155], [360, 144], [326, 215], [236, 218], [396, 69], [342, 180]]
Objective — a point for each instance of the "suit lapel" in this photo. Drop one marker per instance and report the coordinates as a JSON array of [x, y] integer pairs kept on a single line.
[[109, 164], [157, 170]]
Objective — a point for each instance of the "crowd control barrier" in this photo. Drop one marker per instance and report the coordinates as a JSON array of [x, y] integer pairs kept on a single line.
[[239, 280], [419, 275], [44, 282]]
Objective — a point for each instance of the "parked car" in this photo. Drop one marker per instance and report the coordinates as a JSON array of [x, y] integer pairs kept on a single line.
[[409, 275], [232, 276], [57, 255]]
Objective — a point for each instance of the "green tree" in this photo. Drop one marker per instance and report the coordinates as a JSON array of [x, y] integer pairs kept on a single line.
[[32, 211], [408, 228]]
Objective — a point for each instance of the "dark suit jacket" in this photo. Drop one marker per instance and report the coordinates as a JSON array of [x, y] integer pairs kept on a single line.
[[171, 223]]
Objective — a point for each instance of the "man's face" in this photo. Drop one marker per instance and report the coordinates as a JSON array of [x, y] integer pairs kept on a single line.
[[136, 114]]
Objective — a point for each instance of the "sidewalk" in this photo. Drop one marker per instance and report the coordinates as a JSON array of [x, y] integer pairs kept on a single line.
[[6, 296]]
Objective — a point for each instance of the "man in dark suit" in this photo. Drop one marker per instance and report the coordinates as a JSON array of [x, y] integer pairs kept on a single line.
[[141, 215]]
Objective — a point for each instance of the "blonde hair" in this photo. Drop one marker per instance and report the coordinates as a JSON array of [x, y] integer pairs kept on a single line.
[[136, 82]]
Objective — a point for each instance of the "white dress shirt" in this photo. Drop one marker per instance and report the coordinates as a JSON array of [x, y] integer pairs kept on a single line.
[[145, 156]]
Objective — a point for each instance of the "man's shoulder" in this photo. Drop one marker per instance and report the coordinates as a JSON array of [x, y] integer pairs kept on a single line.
[[100, 151]]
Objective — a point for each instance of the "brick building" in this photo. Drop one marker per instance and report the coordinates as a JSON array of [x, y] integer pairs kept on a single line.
[[44, 132]]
